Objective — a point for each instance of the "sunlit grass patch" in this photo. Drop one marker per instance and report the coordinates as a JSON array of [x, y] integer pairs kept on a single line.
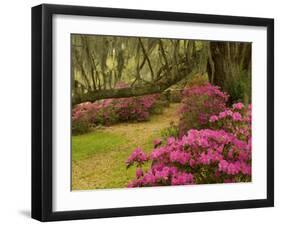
[[84, 146]]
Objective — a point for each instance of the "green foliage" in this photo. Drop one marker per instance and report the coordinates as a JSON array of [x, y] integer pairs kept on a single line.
[[197, 80], [239, 88], [171, 131], [174, 95], [105, 116], [81, 126], [159, 106]]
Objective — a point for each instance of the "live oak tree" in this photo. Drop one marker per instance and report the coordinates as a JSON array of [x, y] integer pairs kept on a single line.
[[230, 68], [150, 65], [146, 65]]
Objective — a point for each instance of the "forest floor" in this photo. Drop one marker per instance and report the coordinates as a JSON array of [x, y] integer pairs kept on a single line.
[[98, 158]]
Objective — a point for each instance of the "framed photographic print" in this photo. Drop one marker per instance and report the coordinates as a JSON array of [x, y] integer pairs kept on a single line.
[[145, 112]]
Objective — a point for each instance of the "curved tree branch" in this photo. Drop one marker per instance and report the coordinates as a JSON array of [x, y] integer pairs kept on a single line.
[[146, 89]]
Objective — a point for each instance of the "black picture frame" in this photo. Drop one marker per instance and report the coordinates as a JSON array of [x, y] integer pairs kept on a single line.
[[42, 111]]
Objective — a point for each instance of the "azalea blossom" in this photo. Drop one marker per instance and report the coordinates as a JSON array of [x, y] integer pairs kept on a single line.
[[238, 106], [237, 116], [218, 151], [213, 118]]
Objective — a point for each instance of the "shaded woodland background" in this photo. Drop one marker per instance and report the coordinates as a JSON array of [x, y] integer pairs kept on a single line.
[[154, 65]]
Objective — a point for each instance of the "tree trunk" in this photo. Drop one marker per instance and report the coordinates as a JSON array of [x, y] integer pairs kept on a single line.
[[229, 63], [218, 55]]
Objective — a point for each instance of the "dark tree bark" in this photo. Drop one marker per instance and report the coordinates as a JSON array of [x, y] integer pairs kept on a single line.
[[210, 65], [175, 56], [218, 54], [228, 61], [120, 63]]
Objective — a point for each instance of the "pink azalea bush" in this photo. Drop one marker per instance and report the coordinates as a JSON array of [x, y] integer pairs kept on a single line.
[[219, 153], [80, 122], [135, 108], [200, 157], [236, 120], [110, 111], [198, 104]]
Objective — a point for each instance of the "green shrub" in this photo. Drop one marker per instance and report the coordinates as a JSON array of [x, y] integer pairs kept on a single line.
[[197, 80], [198, 104], [239, 88], [159, 106], [80, 126], [171, 131]]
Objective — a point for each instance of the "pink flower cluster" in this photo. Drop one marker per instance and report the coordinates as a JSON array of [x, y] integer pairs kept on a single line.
[[219, 153], [201, 156], [236, 120], [94, 111], [138, 157], [110, 111], [198, 104], [134, 108], [234, 168], [161, 176]]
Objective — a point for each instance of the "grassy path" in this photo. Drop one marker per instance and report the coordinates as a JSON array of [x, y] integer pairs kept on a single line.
[[98, 158]]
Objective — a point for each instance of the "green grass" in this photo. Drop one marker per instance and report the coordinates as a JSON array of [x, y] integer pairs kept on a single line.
[[98, 158], [84, 146]]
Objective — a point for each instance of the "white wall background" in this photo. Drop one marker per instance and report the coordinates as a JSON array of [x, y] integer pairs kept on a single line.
[[15, 114]]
